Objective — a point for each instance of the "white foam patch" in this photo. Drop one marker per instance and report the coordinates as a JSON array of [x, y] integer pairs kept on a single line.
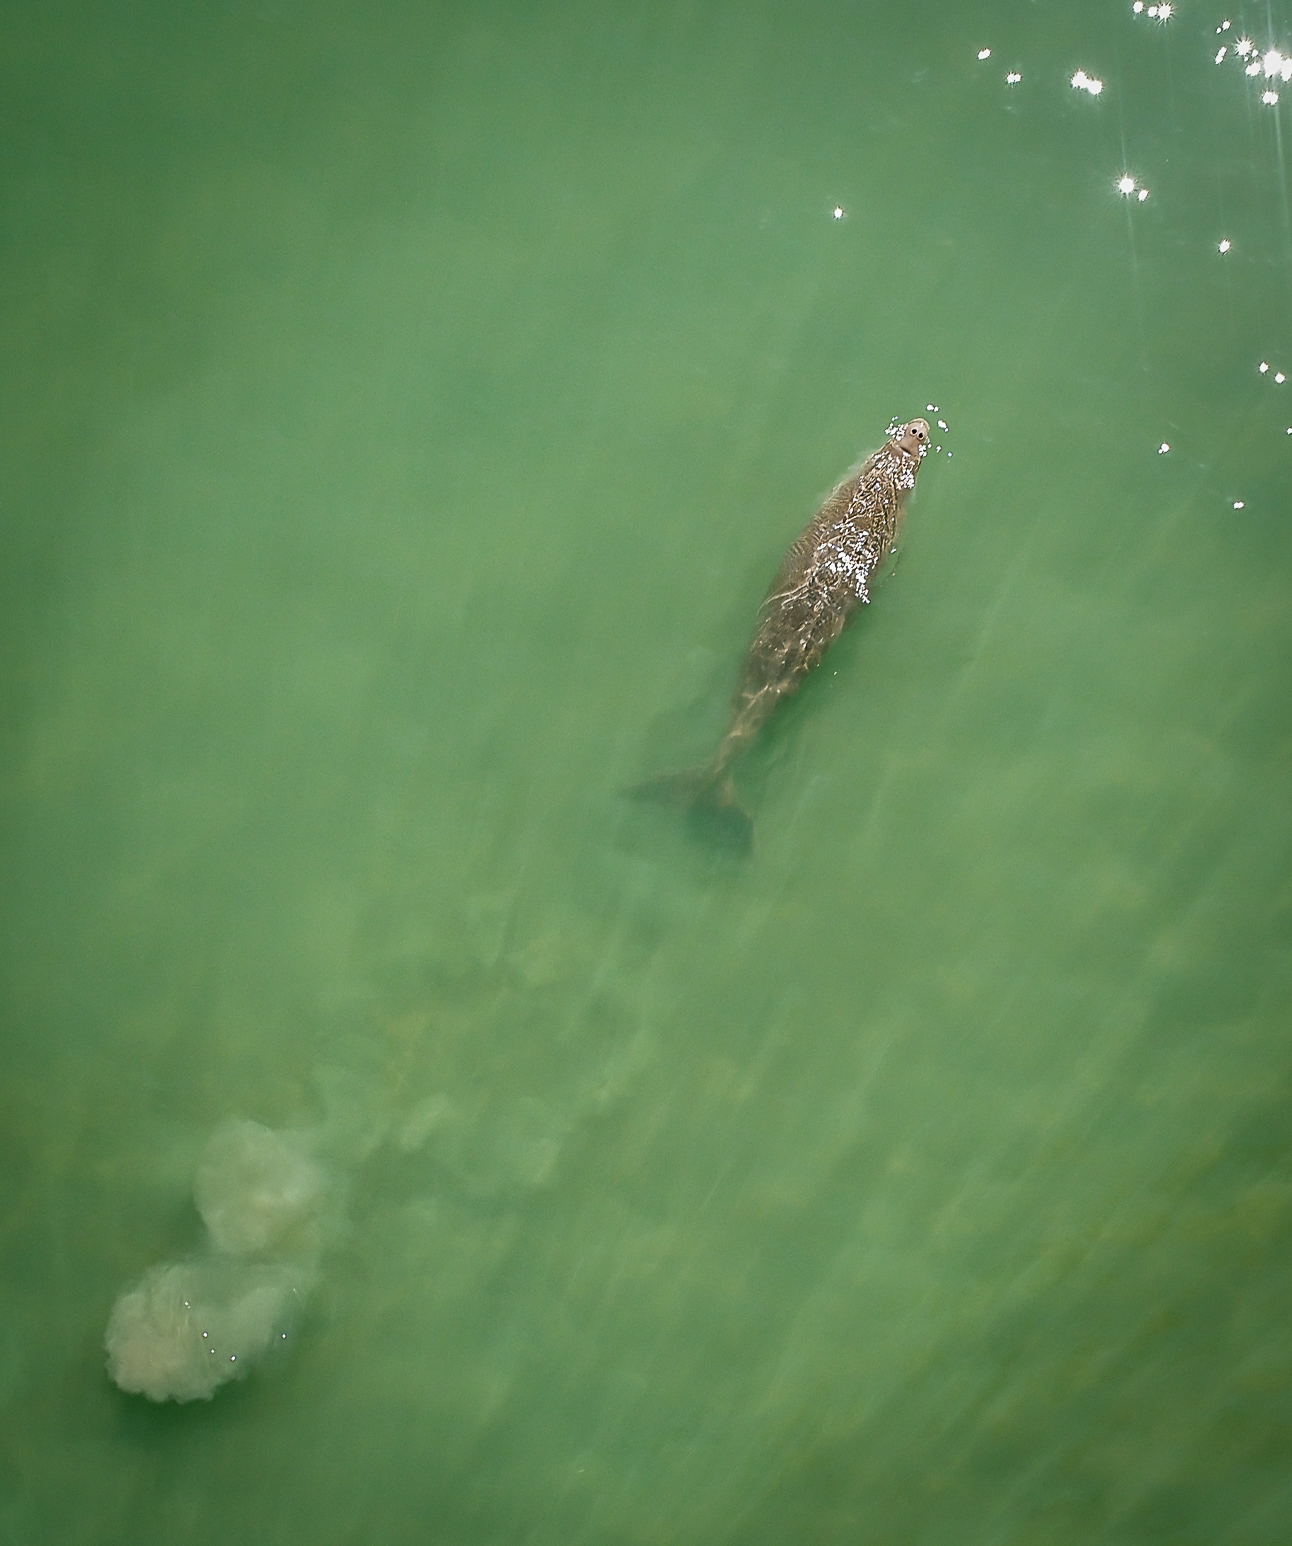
[[189, 1327], [257, 1190]]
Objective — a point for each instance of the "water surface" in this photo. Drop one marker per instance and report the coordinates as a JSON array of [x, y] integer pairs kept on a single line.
[[403, 412]]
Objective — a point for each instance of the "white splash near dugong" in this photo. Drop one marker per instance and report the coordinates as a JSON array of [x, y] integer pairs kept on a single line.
[[189, 1327]]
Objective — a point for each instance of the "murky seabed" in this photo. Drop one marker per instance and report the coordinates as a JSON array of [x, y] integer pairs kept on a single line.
[[402, 417]]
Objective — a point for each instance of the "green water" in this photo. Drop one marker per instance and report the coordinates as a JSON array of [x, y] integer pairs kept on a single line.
[[403, 409]]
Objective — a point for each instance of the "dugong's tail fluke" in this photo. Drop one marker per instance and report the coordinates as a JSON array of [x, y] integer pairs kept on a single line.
[[708, 796]]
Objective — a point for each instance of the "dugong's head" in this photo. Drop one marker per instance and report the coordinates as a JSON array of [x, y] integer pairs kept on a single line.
[[913, 438]]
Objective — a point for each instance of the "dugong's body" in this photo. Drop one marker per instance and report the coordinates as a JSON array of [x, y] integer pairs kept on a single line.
[[823, 579]]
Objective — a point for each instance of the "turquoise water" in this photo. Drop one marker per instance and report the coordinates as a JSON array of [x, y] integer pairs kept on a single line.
[[403, 410]]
